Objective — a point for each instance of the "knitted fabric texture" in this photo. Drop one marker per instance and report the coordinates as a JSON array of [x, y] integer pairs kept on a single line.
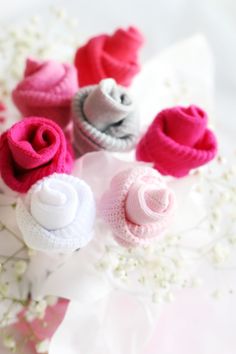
[[137, 206], [110, 56], [104, 117], [46, 90], [57, 214], [31, 149], [178, 141]]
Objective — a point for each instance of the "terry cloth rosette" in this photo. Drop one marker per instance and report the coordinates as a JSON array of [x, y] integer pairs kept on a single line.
[[57, 214], [46, 90], [137, 206], [32, 149], [113, 56], [178, 141], [104, 117]]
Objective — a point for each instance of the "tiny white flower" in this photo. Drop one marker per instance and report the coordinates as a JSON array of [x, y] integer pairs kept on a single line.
[[232, 239], [9, 342], [217, 294], [157, 298], [40, 307], [35, 19], [179, 262], [51, 300], [30, 316], [20, 267], [220, 253], [4, 289], [120, 273], [36, 309], [31, 252], [196, 282], [43, 346], [169, 297]]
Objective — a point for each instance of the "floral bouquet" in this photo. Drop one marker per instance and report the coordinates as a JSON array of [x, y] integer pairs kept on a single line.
[[107, 209]]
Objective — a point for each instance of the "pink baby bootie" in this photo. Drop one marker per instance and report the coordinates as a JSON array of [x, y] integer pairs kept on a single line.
[[46, 90], [137, 206]]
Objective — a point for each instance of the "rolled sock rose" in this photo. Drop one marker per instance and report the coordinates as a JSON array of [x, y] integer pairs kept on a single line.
[[104, 117], [178, 141], [57, 214], [46, 90], [107, 56], [32, 149], [137, 206]]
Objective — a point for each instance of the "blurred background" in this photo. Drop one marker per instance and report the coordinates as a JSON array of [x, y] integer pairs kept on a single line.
[[162, 22]]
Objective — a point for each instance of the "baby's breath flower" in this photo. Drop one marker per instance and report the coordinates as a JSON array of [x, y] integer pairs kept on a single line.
[[43, 346], [51, 300], [4, 289], [36, 309], [217, 294], [31, 252], [169, 297], [220, 253], [232, 239], [9, 343], [20, 267]]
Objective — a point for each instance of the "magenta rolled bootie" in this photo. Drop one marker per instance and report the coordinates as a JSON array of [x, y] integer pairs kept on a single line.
[[46, 90], [178, 141], [31, 149], [105, 118], [106, 56]]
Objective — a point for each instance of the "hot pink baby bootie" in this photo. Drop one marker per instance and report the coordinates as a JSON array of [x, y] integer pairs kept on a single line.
[[107, 56], [178, 141], [46, 90], [32, 149], [137, 206]]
